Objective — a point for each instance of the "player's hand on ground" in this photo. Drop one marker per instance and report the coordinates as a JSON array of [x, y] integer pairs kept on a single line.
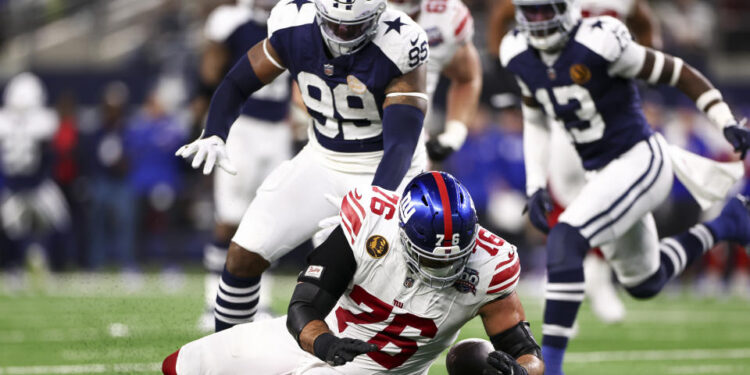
[[504, 364], [337, 351], [209, 152], [538, 206], [437, 151], [739, 137]]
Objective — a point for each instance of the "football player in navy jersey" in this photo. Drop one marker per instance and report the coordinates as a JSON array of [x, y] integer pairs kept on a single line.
[[261, 138], [360, 69], [31, 203], [579, 75]]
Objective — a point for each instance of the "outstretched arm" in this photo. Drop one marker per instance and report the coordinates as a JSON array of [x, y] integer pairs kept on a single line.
[[403, 113], [331, 267], [644, 25], [248, 75], [465, 73], [516, 350], [501, 18]]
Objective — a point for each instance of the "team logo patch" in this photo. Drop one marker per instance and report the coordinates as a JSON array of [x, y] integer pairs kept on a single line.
[[409, 282], [377, 246], [468, 281], [580, 74], [434, 36], [355, 85], [328, 69], [314, 271]]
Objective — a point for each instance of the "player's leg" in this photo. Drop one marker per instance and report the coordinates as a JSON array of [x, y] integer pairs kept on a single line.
[[285, 212], [263, 347], [613, 200], [673, 254]]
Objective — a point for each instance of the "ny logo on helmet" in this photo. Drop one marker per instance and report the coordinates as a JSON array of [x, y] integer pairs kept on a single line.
[[346, 3], [406, 207]]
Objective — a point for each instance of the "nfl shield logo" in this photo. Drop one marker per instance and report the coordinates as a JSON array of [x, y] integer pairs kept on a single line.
[[328, 69]]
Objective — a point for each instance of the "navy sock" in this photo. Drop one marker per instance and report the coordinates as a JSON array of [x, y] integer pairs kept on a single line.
[[214, 257], [236, 301], [563, 296], [676, 253]]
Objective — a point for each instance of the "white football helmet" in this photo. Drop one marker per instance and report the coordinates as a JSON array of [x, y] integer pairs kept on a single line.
[[410, 7], [547, 23], [24, 92], [348, 25], [261, 9]]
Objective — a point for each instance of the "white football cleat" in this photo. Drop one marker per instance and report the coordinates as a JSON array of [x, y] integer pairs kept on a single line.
[[600, 289]]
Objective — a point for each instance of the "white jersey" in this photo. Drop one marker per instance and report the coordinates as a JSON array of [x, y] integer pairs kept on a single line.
[[448, 24], [621, 9], [386, 304]]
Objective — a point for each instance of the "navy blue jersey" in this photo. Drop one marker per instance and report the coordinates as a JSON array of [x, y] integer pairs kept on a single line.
[[585, 88], [234, 27], [345, 95]]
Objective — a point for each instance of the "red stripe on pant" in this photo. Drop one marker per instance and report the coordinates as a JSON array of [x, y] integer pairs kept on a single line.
[[169, 366]]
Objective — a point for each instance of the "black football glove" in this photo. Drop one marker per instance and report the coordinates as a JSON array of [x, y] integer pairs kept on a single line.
[[539, 205], [338, 351], [504, 364], [436, 151], [739, 136]]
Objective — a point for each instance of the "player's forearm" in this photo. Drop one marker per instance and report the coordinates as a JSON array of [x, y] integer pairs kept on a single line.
[[311, 332], [463, 99], [402, 126], [535, 148], [531, 363]]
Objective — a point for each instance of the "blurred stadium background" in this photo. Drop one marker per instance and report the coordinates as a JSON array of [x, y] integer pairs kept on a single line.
[[121, 287]]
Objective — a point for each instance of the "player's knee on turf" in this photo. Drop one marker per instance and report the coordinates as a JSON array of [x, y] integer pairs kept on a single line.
[[566, 248], [245, 263]]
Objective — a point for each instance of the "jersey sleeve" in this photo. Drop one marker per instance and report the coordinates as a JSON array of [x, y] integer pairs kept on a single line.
[[514, 43], [406, 47], [462, 24], [285, 16], [500, 269], [363, 209], [610, 38], [223, 21]]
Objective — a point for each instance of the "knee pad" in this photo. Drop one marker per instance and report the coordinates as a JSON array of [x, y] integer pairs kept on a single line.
[[566, 248], [649, 287]]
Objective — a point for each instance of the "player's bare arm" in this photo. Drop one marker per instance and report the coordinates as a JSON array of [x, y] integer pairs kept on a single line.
[[246, 77], [403, 113], [465, 73], [505, 323], [644, 25], [659, 67], [331, 268], [503, 13]]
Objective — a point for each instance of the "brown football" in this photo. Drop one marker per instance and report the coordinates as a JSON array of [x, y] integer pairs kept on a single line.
[[469, 357]]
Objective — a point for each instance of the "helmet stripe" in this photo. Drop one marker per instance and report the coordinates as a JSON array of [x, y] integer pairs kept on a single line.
[[446, 203]]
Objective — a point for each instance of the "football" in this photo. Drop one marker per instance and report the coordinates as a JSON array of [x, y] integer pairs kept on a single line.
[[469, 357]]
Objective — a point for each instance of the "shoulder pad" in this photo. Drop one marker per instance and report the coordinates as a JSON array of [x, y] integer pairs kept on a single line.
[[462, 24], [362, 208], [514, 43], [606, 36], [223, 20], [288, 14], [451, 17], [500, 268], [397, 35]]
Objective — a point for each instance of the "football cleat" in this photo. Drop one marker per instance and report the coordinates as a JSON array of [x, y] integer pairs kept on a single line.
[[733, 223]]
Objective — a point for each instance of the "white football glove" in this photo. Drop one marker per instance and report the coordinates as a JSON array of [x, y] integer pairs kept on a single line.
[[212, 150]]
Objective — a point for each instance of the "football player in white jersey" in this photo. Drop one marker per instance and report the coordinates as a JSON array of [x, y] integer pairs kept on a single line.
[[31, 203], [566, 174], [450, 28], [387, 292], [261, 138], [360, 69], [580, 75]]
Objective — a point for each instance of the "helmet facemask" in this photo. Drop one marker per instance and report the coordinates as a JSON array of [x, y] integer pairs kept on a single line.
[[546, 23], [345, 37], [440, 267]]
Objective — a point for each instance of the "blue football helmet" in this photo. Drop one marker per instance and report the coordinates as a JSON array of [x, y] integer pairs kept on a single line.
[[438, 227]]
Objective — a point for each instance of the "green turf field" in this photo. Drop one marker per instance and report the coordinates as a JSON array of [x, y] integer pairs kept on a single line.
[[86, 324]]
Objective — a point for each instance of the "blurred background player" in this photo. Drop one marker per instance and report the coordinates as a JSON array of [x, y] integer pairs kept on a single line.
[[450, 29], [566, 175], [260, 139], [580, 75], [32, 207], [361, 75]]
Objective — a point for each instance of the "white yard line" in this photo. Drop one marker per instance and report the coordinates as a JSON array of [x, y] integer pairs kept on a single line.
[[95, 368], [707, 369]]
